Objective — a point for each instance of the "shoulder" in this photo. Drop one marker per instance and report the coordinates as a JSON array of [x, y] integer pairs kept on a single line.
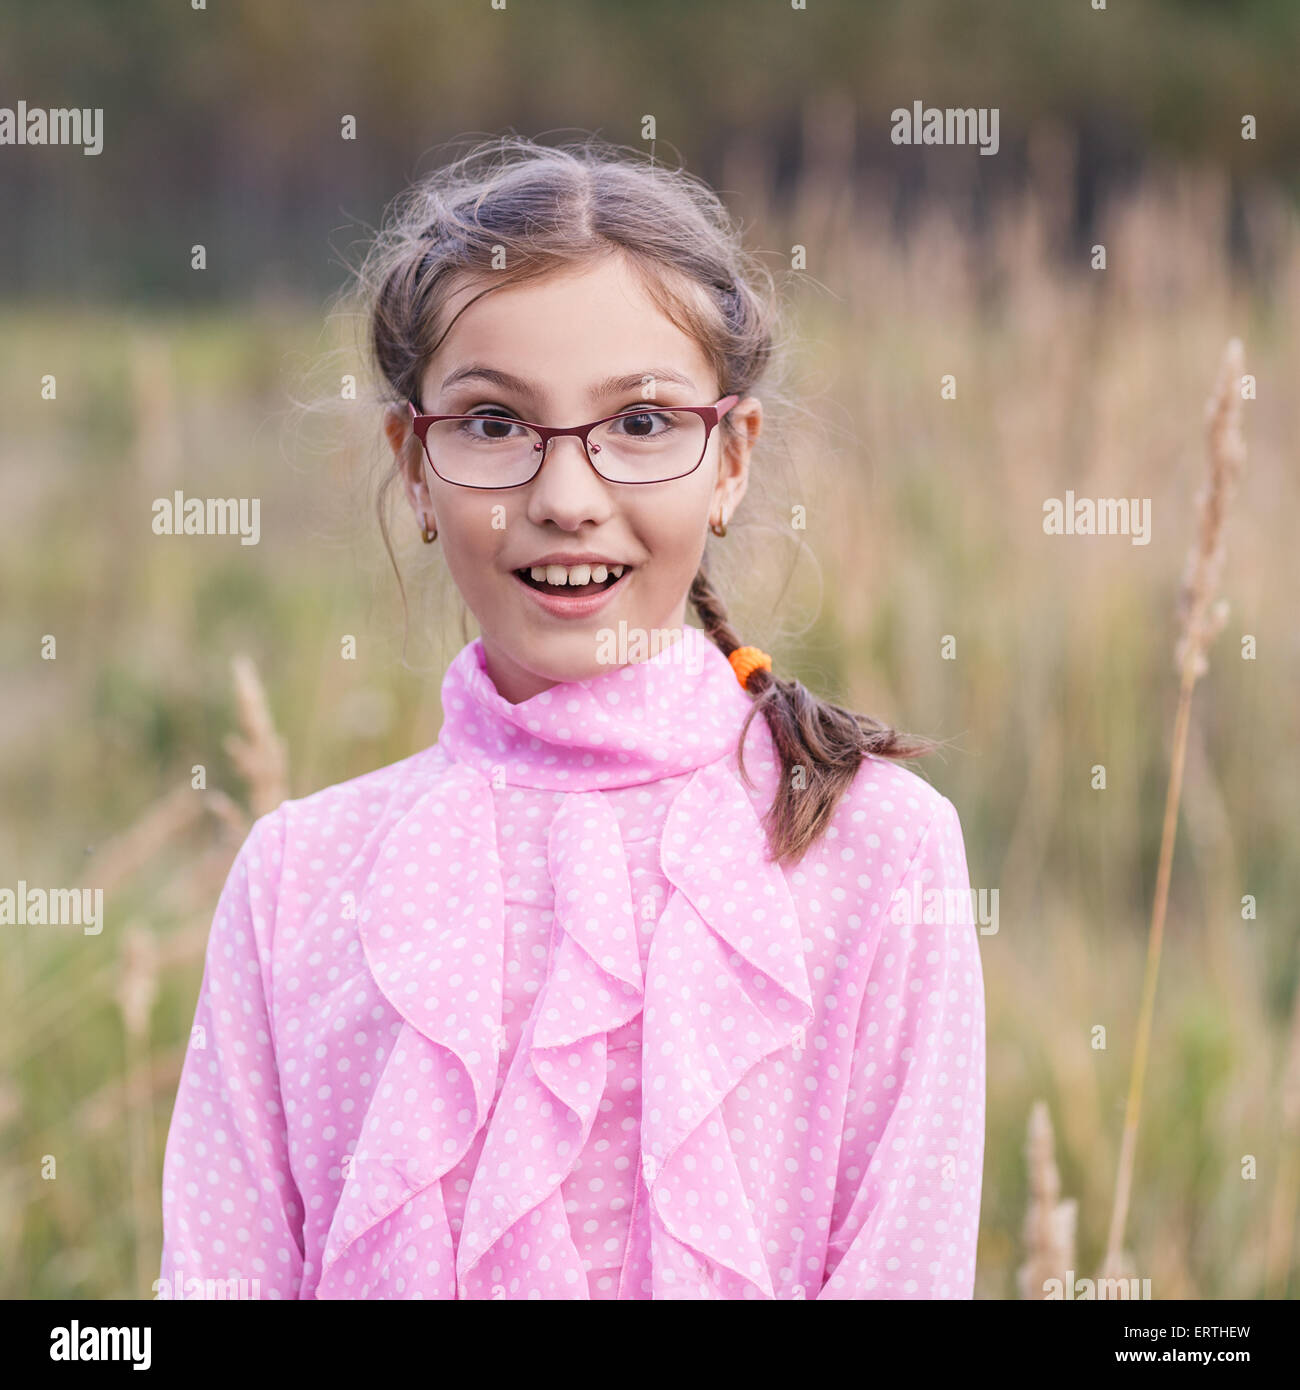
[[891, 814], [369, 800], [888, 813], [894, 841], [314, 837]]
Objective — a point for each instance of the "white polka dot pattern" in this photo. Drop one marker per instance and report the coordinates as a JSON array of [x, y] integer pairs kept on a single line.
[[531, 1015]]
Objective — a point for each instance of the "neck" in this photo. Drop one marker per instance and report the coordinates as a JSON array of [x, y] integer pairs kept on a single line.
[[516, 681]]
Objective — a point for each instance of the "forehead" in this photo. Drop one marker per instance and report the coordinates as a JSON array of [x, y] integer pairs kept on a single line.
[[566, 333]]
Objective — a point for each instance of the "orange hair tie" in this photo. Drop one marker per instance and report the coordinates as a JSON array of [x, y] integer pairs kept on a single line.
[[746, 660]]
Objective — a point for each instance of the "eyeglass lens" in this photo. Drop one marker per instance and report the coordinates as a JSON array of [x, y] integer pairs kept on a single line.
[[636, 447]]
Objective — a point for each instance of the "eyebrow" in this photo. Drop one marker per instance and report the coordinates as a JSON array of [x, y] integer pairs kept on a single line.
[[611, 385]]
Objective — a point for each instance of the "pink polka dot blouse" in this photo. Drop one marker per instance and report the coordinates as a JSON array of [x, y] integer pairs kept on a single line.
[[531, 1014]]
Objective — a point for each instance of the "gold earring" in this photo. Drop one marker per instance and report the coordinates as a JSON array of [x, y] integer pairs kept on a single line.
[[719, 528], [425, 534]]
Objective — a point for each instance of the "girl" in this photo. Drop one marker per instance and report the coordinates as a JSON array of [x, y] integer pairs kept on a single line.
[[617, 991]]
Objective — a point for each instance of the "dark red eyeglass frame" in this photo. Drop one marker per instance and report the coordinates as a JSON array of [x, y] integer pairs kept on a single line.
[[710, 414]]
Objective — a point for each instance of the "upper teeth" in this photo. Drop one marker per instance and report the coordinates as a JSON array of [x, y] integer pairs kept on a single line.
[[576, 574]]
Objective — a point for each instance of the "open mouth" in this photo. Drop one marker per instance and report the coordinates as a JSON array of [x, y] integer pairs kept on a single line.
[[568, 590]]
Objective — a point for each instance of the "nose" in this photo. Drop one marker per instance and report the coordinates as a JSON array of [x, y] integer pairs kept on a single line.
[[568, 491]]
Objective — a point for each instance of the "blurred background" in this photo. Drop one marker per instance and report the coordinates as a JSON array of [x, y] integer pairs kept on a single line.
[[1120, 127]]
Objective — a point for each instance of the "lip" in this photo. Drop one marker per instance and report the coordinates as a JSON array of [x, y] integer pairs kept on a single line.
[[562, 606], [587, 557]]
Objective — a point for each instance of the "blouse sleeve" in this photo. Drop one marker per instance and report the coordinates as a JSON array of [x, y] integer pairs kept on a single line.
[[907, 1202], [231, 1210]]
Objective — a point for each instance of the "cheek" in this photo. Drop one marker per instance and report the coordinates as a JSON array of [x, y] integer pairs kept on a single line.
[[472, 544], [675, 536], [673, 523]]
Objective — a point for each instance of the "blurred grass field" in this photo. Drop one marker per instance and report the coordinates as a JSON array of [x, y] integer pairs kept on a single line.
[[924, 521]]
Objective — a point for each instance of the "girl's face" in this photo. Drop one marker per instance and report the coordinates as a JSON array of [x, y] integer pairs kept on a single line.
[[558, 340]]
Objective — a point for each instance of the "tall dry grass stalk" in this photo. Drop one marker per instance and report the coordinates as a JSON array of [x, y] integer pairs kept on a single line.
[[137, 989], [1202, 615], [260, 754], [260, 757], [166, 821], [1049, 1222]]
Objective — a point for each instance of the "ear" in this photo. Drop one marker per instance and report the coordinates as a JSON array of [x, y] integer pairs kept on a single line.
[[409, 453], [733, 458]]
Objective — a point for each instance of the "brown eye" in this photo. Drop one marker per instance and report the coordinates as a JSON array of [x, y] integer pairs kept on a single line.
[[643, 424]]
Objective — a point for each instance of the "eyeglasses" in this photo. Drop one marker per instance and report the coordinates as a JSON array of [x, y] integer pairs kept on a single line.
[[647, 445]]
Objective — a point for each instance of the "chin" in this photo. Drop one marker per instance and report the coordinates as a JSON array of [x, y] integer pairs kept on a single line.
[[569, 656]]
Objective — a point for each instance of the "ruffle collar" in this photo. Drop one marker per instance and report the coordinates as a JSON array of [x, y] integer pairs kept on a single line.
[[725, 985], [674, 712]]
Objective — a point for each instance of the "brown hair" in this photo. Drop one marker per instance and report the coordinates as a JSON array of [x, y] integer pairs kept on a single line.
[[548, 207]]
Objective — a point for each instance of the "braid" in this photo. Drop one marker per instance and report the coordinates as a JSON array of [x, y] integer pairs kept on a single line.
[[713, 615], [820, 745]]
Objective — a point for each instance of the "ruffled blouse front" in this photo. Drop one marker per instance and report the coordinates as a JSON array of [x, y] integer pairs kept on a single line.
[[532, 1015], [599, 1192]]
